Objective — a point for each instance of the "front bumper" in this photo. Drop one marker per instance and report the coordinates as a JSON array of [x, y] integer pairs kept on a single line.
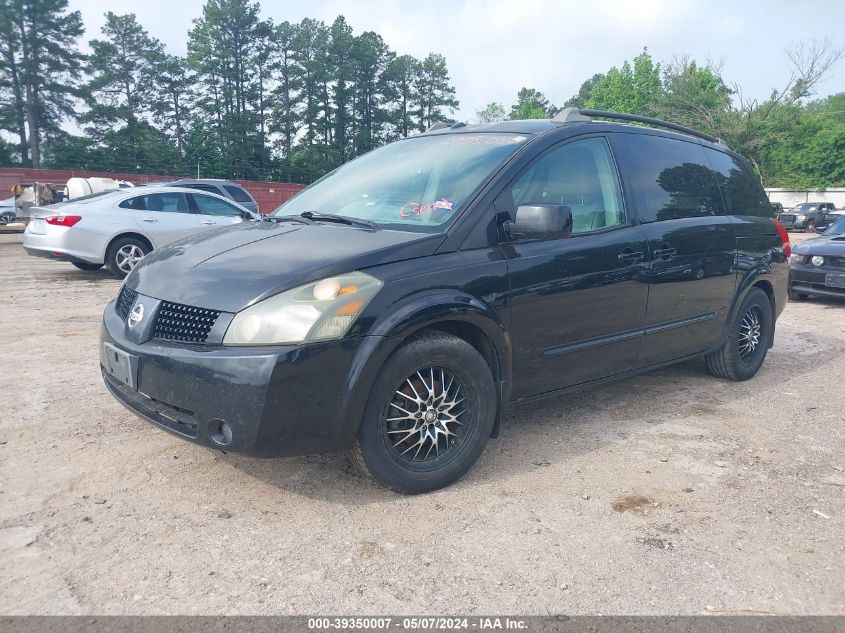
[[812, 280], [279, 400]]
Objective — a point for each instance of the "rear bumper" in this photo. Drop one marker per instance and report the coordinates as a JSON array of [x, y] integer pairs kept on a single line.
[[281, 400], [65, 244]]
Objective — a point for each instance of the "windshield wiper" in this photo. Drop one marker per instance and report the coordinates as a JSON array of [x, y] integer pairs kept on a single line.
[[341, 219], [286, 218]]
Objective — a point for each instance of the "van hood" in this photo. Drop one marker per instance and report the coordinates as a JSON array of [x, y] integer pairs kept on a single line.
[[231, 268]]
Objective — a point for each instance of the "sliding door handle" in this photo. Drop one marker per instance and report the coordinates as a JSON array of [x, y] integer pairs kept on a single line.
[[665, 253], [630, 257]]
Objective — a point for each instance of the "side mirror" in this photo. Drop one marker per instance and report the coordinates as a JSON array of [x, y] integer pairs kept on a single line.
[[821, 229], [541, 222]]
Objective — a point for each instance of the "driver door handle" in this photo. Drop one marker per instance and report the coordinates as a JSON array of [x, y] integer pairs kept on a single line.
[[148, 220], [207, 222]]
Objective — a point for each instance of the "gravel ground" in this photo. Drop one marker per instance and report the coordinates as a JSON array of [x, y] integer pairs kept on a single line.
[[669, 493]]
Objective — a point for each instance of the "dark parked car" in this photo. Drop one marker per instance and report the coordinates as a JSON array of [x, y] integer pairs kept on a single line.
[[807, 216], [831, 218], [396, 306], [817, 266], [225, 188]]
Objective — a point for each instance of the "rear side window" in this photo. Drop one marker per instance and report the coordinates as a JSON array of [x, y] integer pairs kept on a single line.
[[201, 187], [238, 194], [741, 188], [668, 179], [169, 202]]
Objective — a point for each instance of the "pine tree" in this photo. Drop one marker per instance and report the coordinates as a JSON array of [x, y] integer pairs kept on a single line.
[[40, 65], [435, 92]]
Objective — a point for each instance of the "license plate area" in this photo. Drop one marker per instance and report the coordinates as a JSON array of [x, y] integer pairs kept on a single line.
[[37, 226], [834, 281], [120, 365]]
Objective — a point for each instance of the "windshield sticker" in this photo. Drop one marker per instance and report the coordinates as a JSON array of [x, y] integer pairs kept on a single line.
[[482, 139], [438, 208]]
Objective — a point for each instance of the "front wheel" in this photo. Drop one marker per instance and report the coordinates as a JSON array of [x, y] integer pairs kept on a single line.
[[811, 227], [750, 337], [429, 416]]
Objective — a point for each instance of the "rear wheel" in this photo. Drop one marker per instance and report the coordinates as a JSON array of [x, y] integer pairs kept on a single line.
[[124, 254], [87, 266], [751, 335], [811, 227], [429, 416], [6, 218]]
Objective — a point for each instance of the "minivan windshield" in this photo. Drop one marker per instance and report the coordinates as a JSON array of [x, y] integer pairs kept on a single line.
[[417, 184]]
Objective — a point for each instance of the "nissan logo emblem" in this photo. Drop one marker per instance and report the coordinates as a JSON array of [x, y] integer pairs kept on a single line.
[[136, 315]]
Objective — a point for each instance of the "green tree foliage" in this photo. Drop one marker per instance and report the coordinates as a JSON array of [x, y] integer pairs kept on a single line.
[[580, 100], [531, 104], [123, 72], [39, 65], [636, 88], [492, 113]]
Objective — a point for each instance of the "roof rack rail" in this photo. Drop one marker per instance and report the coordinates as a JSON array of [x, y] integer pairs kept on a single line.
[[438, 126], [569, 115]]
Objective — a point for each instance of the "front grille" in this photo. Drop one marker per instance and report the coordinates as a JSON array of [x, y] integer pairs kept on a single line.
[[835, 262], [183, 324], [124, 302], [786, 217]]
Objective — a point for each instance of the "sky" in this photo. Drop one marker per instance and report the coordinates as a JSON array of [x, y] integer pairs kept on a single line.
[[495, 47]]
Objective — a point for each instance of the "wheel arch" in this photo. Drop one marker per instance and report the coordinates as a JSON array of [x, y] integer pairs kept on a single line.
[[460, 315], [134, 234]]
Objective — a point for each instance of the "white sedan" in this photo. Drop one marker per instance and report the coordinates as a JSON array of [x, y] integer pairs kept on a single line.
[[118, 228]]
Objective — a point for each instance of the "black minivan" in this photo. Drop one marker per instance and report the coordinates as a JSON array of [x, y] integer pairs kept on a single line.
[[395, 306]]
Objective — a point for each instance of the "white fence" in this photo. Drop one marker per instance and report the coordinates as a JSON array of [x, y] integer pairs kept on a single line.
[[792, 197]]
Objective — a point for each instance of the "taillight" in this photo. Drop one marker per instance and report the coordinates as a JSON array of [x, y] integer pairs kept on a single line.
[[784, 237], [63, 220]]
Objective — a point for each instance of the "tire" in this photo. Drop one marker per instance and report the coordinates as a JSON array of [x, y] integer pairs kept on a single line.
[[737, 359], [433, 372], [87, 266], [6, 218], [123, 255], [811, 227]]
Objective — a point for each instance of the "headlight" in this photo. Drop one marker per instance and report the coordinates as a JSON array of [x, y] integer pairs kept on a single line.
[[795, 259], [800, 217], [320, 311], [817, 260]]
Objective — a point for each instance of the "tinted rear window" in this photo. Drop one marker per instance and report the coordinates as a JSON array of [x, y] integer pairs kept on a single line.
[[667, 178], [741, 188], [201, 187], [238, 194]]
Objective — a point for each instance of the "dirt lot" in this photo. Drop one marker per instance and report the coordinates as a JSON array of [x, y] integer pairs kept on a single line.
[[672, 492]]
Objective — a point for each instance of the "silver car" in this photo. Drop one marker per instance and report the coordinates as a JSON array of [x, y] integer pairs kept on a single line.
[[118, 228]]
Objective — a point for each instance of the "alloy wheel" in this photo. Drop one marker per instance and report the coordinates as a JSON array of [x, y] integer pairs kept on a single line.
[[750, 334], [128, 256], [426, 419]]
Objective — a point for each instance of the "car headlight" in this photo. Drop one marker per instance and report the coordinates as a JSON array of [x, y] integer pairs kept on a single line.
[[319, 311], [800, 217], [795, 259], [817, 260]]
